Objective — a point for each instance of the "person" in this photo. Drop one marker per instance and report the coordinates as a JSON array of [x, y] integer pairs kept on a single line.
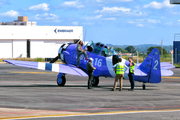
[[80, 51], [90, 70], [131, 73], [119, 69]]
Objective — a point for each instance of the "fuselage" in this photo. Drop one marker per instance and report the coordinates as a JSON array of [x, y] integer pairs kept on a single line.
[[104, 65]]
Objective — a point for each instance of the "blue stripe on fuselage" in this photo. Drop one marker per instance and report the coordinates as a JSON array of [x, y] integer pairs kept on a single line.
[[48, 66]]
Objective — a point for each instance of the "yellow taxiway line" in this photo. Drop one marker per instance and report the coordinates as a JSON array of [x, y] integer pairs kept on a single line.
[[35, 72], [172, 77], [92, 114]]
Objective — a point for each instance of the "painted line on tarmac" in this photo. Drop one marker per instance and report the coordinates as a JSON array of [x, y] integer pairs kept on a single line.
[[172, 77], [94, 114], [98, 109], [36, 72]]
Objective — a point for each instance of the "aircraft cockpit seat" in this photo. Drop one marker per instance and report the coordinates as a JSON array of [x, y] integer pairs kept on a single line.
[[89, 48], [104, 51]]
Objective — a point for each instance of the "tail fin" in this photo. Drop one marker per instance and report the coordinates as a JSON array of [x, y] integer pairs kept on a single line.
[[151, 66]]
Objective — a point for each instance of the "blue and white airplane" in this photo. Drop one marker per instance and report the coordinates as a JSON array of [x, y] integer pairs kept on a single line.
[[150, 71]]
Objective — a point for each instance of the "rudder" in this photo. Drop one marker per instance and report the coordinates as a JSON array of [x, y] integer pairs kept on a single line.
[[151, 66]]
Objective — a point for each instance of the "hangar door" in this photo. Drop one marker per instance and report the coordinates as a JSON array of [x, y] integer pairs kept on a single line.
[[45, 48], [5, 48], [19, 48]]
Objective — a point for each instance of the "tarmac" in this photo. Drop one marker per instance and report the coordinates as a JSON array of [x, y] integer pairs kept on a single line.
[[34, 94]]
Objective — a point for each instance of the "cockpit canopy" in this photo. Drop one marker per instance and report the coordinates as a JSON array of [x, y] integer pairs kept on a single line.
[[100, 49]]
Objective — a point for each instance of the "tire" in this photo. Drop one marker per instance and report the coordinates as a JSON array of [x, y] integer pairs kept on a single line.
[[95, 81], [61, 81]]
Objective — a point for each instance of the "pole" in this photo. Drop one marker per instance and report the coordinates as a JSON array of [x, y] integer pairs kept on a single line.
[[162, 48], [120, 54], [85, 36], [137, 57], [176, 56], [171, 57], [143, 56]]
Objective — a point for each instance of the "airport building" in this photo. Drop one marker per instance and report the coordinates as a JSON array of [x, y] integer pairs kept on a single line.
[[22, 38]]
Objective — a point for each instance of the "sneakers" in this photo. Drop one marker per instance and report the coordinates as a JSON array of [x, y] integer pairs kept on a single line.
[[112, 90], [90, 88], [86, 59]]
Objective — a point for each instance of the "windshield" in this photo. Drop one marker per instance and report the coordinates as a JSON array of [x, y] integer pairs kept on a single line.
[[99, 48], [112, 52]]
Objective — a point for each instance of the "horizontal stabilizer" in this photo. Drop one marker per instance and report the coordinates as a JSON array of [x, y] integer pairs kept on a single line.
[[166, 72], [60, 68]]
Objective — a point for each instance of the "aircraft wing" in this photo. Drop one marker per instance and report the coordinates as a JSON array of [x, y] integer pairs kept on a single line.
[[60, 68]]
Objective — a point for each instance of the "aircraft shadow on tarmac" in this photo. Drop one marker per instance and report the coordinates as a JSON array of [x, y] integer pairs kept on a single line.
[[138, 87]]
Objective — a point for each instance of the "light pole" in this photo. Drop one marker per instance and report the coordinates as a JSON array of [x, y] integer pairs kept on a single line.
[[137, 57], [162, 48], [171, 57]]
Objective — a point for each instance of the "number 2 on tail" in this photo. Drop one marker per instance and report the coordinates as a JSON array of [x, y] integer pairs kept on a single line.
[[156, 64]]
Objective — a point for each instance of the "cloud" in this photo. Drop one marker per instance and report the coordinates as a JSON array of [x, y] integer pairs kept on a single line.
[[46, 17], [3, 2], [170, 23], [158, 5], [153, 21], [113, 10], [75, 23], [109, 18], [110, 1], [140, 25], [43, 6], [10, 13], [118, 11], [73, 4], [93, 18]]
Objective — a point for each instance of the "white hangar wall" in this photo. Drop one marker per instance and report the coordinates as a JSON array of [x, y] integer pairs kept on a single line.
[[44, 40]]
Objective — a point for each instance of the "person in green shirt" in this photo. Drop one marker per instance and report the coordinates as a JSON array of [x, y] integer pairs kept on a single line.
[[119, 69], [131, 73], [90, 69], [80, 51]]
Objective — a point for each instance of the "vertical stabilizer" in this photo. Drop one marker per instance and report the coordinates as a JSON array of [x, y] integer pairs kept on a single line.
[[151, 66]]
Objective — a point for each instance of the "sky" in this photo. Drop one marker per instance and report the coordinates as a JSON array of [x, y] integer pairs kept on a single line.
[[118, 22]]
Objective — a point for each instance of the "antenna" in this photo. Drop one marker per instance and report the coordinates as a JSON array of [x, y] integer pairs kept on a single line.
[[85, 35]]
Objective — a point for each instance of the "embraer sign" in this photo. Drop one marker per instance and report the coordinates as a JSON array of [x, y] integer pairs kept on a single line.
[[62, 30]]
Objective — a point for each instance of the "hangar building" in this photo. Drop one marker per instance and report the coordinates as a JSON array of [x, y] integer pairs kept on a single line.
[[22, 38]]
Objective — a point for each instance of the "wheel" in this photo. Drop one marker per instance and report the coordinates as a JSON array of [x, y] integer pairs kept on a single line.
[[144, 86], [95, 81], [61, 81]]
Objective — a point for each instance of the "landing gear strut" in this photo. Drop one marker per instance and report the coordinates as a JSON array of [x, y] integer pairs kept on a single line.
[[144, 86], [95, 81], [61, 79]]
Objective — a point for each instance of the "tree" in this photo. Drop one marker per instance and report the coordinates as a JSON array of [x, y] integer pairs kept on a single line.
[[118, 49], [159, 48], [130, 49]]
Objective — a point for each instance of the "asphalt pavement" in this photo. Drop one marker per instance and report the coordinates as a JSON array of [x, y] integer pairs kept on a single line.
[[34, 94]]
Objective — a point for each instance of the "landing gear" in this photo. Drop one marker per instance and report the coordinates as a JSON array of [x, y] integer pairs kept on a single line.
[[61, 79], [95, 81], [144, 86]]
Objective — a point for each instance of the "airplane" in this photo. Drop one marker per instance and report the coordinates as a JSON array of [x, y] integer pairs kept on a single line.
[[149, 71]]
